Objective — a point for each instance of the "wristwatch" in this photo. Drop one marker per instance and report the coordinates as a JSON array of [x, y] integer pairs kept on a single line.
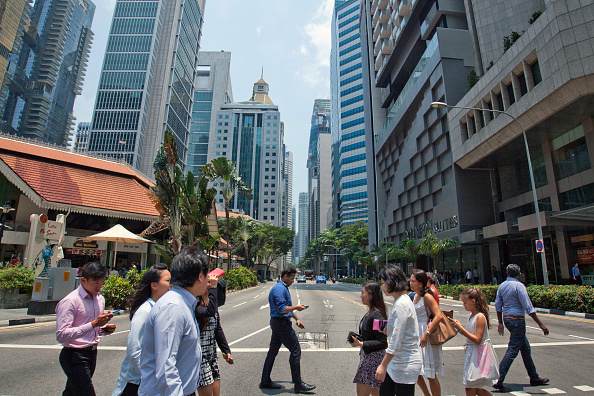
[[428, 333]]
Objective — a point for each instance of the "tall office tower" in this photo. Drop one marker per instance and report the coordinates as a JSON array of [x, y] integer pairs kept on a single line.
[[14, 16], [287, 205], [212, 89], [50, 70], [147, 80], [349, 180], [252, 137], [303, 223], [319, 168], [295, 250], [81, 139]]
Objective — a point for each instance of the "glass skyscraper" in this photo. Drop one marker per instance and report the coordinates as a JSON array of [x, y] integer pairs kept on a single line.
[[348, 122], [49, 70], [147, 81]]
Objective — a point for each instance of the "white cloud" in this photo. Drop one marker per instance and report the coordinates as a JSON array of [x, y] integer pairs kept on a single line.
[[316, 46], [259, 30]]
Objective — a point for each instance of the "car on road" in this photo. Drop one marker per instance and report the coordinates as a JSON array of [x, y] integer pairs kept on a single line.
[[321, 279], [301, 279]]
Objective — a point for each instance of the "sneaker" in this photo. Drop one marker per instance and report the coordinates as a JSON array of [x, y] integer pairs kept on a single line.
[[539, 381], [499, 386]]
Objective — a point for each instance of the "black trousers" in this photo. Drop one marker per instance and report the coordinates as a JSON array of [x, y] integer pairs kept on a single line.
[[130, 389], [79, 366], [391, 388], [283, 334]]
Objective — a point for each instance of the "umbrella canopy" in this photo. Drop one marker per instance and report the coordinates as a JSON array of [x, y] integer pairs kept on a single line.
[[117, 233]]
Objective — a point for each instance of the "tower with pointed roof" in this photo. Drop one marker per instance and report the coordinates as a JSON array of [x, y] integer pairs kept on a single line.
[[260, 93]]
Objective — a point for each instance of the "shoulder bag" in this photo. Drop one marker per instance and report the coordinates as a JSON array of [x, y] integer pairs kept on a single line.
[[445, 331]]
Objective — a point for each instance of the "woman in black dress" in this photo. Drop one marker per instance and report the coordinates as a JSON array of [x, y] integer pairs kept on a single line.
[[373, 343]]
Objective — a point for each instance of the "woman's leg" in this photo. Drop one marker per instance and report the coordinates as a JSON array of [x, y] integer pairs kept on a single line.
[[206, 390], [470, 391], [216, 388], [423, 386], [363, 390], [483, 392], [435, 386]]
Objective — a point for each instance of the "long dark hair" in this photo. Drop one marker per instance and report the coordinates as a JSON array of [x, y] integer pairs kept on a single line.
[[143, 291], [422, 277], [377, 299]]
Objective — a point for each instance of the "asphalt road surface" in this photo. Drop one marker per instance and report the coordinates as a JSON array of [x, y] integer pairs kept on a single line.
[[29, 354]]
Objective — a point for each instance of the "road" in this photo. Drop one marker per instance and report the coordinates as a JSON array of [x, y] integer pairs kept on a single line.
[[29, 354]]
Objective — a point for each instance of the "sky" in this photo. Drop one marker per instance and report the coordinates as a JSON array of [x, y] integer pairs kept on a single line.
[[290, 39]]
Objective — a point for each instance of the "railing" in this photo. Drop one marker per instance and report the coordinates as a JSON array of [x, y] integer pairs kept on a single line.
[[431, 48]]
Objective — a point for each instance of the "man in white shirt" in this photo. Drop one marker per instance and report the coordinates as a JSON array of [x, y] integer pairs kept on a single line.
[[171, 354]]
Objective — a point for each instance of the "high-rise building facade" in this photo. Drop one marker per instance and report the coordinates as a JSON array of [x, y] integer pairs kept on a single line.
[[303, 223], [49, 71], [81, 139], [147, 80], [212, 89], [319, 169], [251, 133], [348, 118], [287, 204]]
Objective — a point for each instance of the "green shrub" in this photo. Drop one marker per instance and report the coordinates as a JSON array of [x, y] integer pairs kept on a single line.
[[240, 278], [564, 298], [534, 17], [472, 78], [134, 277], [117, 291], [17, 278], [357, 281]]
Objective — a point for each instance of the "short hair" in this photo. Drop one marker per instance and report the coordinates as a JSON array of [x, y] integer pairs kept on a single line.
[[394, 278], [94, 270], [513, 270], [288, 271], [187, 266]]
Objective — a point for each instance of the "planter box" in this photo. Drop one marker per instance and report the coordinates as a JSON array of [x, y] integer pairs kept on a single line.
[[13, 299]]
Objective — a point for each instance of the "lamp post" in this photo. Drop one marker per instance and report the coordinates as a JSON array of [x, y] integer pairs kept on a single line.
[[545, 275], [385, 224]]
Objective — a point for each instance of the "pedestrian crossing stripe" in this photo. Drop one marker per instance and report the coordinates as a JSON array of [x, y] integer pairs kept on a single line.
[[519, 393], [584, 388], [553, 391]]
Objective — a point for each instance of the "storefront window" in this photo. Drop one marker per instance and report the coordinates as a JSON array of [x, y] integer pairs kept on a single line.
[[570, 153], [577, 197]]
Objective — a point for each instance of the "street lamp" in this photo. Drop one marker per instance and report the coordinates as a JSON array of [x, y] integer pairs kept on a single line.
[[442, 105], [385, 224]]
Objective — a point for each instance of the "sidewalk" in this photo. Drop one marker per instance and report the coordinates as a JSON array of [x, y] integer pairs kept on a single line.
[[18, 316]]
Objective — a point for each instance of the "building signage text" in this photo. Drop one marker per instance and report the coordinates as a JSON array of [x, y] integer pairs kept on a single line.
[[422, 230]]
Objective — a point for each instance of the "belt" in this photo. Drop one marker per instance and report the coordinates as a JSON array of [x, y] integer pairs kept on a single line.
[[280, 317], [89, 348], [513, 317]]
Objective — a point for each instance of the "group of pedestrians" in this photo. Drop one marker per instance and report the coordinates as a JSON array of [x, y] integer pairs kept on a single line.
[[395, 358], [175, 327]]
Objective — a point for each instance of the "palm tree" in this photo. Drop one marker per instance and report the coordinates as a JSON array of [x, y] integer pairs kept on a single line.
[[222, 171], [433, 247]]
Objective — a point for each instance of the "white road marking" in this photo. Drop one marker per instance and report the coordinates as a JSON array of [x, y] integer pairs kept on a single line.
[[519, 393], [553, 391], [118, 332], [265, 306], [327, 304], [584, 388], [248, 336], [583, 338], [245, 302]]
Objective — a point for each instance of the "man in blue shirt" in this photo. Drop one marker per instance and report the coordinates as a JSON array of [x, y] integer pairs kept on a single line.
[[171, 353], [281, 312], [575, 271], [512, 303]]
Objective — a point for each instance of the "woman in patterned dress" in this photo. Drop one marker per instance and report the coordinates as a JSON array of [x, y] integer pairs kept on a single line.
[[373, 343], [211, 335]]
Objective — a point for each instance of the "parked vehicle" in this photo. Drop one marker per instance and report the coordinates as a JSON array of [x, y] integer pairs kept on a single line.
[[321, 279], [301, 279]]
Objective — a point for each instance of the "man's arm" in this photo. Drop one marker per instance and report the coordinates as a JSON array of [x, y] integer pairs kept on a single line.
[[544, 328], [65, 314]]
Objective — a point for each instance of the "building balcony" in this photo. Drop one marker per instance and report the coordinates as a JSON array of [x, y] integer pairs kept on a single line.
[[444, 7], [386, 31], [377, 47], [383, 4], [378, 62], [384, 16], [387, 47], [374, 5], [376, 31], [404, 8], [375, 18]]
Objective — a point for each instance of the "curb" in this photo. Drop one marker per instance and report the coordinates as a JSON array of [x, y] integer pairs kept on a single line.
[[579, 315], [41, 319]]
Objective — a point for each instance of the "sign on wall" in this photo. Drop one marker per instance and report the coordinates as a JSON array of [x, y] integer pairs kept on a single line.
[[585, 255]]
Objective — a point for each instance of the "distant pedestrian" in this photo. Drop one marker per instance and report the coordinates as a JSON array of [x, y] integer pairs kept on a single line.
[[113, 271], [575, 271], [80, 319], [373, 343], [469, 276], [124, 271], [433, 288], [153, 285], [428, 317], [281, 312], [476, 275], [478, 373], [171, 353], [211, 335], [512, 303], [400, 368], [495, 274]]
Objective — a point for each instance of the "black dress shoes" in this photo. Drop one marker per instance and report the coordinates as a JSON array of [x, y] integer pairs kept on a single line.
[[539, 381], [269, 385], [499, 386], [304, 388]]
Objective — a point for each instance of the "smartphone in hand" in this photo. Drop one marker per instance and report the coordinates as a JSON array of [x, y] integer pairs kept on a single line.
[[379, 325], [115, 312]]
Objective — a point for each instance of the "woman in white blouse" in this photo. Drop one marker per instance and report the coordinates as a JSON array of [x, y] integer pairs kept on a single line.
[[154, 284], [402, 362]]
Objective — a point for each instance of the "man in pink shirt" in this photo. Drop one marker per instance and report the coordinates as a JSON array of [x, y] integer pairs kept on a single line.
[[80, 320]]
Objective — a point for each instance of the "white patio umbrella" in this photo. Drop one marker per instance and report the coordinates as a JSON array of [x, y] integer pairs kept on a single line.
[[116, 234]]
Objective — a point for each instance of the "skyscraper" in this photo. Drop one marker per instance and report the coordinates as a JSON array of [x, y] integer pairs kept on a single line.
[[212, 89], [49, 71], [303, 223], [348, 121], [147, 80], [319, 169], [288, 190], [81, 139], [251, 135]]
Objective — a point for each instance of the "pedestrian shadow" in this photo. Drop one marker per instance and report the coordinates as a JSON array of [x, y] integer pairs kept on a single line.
[[287, 387], [520, 388]]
